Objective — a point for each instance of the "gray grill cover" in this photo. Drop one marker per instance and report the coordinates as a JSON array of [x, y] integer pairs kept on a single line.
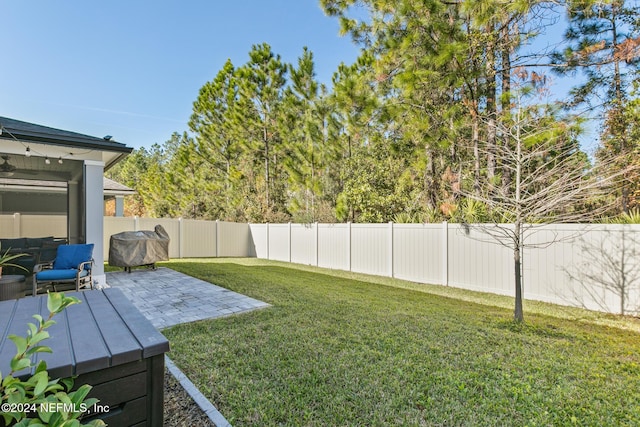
[[134, 248]]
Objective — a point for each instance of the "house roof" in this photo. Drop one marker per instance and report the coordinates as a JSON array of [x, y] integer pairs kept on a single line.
[[28, 144], [30, 132], [112, 185]]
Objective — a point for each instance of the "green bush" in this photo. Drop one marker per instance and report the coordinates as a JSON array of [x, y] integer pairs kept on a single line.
[[29, 402], [632, 217]]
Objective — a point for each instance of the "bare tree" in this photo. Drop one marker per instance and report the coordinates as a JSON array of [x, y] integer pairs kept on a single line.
[[552, 181]]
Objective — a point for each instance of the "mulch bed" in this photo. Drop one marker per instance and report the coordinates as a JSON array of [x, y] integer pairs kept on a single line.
[[179, 408]]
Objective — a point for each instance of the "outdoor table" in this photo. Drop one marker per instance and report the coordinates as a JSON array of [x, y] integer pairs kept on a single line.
[[107, 343], [11, 286]]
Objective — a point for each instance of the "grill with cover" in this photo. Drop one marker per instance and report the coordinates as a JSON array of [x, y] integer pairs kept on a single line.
[[139, 248]]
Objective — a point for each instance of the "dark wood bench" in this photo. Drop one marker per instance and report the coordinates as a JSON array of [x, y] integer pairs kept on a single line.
[[107, 343]]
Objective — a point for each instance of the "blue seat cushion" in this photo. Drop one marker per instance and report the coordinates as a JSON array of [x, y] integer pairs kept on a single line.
[[54, 275], [70, 256]]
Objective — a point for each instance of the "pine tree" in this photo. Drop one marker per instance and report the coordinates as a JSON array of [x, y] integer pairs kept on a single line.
[[218, 133], [355, 106], [604, 46], [261, 84], [310, 139]]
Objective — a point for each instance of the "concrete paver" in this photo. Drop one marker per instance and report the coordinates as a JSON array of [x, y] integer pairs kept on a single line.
[[168, 298]]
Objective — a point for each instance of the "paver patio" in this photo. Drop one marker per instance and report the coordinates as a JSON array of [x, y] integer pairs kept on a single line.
[[168, 298]]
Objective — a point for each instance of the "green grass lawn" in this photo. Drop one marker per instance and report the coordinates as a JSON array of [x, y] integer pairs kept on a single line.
[[338, 348]]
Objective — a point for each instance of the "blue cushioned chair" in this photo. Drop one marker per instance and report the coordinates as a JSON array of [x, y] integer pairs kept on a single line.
[[73, 264]]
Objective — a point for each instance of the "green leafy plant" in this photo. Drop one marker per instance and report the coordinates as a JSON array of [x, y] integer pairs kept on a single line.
[[6, 258], [405, 218], [631, 217], [472, 211], [30, 402]]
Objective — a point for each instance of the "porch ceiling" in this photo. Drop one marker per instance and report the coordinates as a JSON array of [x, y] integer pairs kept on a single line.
[[35, 167], [42, 142]]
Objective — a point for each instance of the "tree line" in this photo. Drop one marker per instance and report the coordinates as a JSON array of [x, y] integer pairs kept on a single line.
[[423, 127]]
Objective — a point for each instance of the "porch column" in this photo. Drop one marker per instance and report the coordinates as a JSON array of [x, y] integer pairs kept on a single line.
[[119, 205], [93, 207]]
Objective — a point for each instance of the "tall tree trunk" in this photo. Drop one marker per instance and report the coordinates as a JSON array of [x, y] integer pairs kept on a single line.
[[491, 109], [472, 103], [265, 141], [311, 185], [506, 99], [430, 183], [518, 313], [475, 138], [453, 148], [227, 186], [620, 125]]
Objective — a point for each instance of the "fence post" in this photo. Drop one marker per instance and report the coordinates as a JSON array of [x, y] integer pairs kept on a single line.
[[445, 253], [180, 237], [267, 239], [349, 244], [217, 243], [391, 273], [289, 241], [317, 245], [17, 225], [136, 224]]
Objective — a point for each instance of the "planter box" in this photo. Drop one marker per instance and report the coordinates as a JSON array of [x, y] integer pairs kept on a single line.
[[108, 344], [12, 286]]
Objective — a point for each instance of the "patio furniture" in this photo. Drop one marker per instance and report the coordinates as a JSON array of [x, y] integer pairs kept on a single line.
[[108, 344], [138, 248], [11, 286], [36, 249], [73, 264]]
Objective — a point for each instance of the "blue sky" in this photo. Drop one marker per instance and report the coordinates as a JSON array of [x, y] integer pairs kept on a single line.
[[132, 69]]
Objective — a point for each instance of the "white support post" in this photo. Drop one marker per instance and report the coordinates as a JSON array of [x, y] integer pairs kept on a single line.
[[180, 237], [391, 273], [217, 242], [267, 239], [119, 208], [136, 223], [445, 253], [17, 226], [349, 244], [317, 245], [93, 221], [289, 241]]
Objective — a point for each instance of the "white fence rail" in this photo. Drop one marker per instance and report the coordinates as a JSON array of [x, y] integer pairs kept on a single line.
[[592, 266]]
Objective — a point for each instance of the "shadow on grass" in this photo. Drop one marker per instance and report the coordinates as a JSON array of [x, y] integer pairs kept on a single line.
[[283, 280]]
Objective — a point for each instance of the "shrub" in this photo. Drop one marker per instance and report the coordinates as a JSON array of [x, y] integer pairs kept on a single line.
[[25, 402]]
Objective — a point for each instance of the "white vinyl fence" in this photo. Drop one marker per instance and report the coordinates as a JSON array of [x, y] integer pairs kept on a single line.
[[592, 266], [189, 238]]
